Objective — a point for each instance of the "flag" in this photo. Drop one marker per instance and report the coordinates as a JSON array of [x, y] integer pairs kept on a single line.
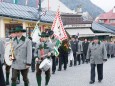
[[26, 3], [15, 1], [35, 34], [56, 51], [58, 28], [58, 43]]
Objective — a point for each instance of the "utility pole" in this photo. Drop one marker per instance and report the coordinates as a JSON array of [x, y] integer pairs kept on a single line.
[[39, 10]]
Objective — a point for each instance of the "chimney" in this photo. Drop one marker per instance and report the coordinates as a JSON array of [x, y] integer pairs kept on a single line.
[[79, 9], [114, 9]]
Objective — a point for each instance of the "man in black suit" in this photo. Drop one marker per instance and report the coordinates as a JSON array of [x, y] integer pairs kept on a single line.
[[73, 44], [85, 48]]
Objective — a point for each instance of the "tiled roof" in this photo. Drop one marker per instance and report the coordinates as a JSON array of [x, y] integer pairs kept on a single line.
[[101, 28], [109, 27], [24, 12], [108, 15], [74, 19]]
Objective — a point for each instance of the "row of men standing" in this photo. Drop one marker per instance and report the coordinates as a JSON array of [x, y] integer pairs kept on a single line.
[[79, 50]]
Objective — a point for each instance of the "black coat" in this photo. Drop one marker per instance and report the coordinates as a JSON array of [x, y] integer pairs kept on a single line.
[[85, 47], [2, 81], [74, 46]]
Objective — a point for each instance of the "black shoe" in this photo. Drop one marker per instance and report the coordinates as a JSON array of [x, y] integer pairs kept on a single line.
[[33, 70], [70, 66], [7, 83], [64, 68], [59, 69], [91, 82], [17, 81], [53, 72], [99, 81], [75, 64]]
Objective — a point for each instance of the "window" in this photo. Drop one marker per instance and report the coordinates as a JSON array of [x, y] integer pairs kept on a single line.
[[112, 20], [101, 21]]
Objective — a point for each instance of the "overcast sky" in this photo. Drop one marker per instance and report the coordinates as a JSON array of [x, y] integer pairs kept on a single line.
[[106, 5]]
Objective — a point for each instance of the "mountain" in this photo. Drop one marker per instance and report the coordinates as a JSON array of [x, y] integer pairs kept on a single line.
[[86, 5]]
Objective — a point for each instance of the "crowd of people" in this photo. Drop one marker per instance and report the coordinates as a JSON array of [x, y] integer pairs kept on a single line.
[[30, 54]]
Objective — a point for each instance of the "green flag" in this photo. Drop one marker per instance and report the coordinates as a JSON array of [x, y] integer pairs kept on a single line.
[[15, 1], [58, 43], [56, 51]]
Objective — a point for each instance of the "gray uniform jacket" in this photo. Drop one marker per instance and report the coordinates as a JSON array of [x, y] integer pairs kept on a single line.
[[47, 48], [96, 53], [110, 51], [107, 47], [22, 53], [2, 50], [73, 45], [80, 47]]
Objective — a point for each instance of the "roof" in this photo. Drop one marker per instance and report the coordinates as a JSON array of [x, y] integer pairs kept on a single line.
[[100, 28], [24, 12], [54, 5], [109, 26], [108, 15], [74, 19], [81, 32]]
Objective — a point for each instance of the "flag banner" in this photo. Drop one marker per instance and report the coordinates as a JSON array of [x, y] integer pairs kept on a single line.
[[56, 51], [35, 34], [58, 43], [58, 28], [15, 1]]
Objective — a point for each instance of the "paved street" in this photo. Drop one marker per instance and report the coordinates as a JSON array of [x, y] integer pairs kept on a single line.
[[78, 76]]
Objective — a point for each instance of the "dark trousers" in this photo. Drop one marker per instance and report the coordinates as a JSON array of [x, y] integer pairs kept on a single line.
[[2, 80], [99, 71], [63, 60], [53, 63], [24, 73], [108, 55], [8, 68], [84, 55], [78, 59], [82, 58], [75, 58], [33, 64]]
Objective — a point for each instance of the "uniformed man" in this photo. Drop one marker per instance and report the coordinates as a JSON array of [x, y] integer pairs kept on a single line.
[[41, 49], [12, 35], [22, 51], [79, 52], [53, 40], [74, 47], [2, 81], [85, 48], [97, 54]]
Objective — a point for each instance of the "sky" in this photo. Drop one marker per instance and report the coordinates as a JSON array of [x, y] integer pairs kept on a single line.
[[106, 5]]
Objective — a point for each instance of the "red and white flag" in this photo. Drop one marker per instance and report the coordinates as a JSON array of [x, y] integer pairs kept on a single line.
[[58, 28]]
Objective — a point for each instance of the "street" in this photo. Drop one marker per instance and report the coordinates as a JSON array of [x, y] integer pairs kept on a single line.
[[77, 76]]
